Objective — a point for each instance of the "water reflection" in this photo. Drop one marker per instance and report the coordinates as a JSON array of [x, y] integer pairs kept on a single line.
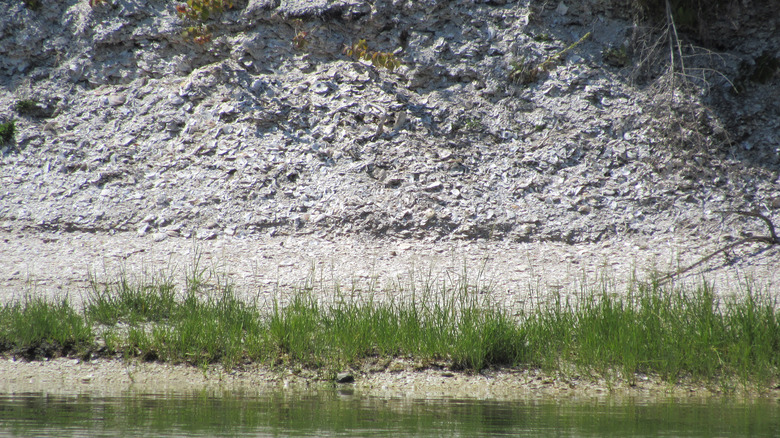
[[330, 413]]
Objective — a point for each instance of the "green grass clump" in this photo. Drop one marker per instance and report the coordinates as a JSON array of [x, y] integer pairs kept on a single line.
[[449, 327], [215, 329], [26, 106], [124, 301], [672, 333], [31, 108], [36, 327], [206, 328], [195, 328], [7, 131]]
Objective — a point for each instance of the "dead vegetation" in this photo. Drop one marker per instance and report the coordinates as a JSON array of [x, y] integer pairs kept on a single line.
[[770, 239]]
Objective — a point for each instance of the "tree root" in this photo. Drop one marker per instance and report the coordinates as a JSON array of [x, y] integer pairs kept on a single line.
[[770, 240]]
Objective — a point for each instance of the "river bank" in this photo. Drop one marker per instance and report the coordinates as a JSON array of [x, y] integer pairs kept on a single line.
[[69, 376], [119, 311]]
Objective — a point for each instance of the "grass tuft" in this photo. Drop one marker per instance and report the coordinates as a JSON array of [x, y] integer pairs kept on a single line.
[[672, 333], [36, 328], [124, 301], [7, 131]]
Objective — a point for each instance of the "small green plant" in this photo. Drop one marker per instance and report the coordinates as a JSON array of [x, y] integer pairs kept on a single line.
[[7, 131], [112, 341], [615, 56], [26, 106], [199, 11], [472, 124], [33, 108], [526, 71], [202, 10], [360, 50], [199, 32], [96, 3], [299, 41], [542, 37]]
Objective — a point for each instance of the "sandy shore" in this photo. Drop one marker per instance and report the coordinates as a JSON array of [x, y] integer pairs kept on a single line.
[[396, 379]]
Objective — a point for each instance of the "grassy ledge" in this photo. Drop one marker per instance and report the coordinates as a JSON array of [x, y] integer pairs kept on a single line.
[[675, 334]]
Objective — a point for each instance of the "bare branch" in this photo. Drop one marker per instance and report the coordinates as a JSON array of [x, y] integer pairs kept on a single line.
[[772, 235], [770, 240]]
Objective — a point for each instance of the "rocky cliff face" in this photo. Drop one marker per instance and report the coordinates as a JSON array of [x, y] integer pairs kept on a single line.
[[265, 125]]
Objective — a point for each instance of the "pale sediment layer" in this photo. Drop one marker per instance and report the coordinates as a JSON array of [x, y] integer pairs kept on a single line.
[[515, 274]]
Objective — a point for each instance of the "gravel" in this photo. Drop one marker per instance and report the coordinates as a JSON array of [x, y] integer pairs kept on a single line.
[[249, 135]]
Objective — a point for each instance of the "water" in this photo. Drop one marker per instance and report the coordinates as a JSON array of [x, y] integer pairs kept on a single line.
[[330, 413]]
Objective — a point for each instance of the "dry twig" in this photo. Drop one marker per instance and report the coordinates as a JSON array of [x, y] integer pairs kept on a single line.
[[771, 239]]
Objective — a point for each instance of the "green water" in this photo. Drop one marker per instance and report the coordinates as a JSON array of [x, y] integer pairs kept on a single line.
[[330, 413]]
